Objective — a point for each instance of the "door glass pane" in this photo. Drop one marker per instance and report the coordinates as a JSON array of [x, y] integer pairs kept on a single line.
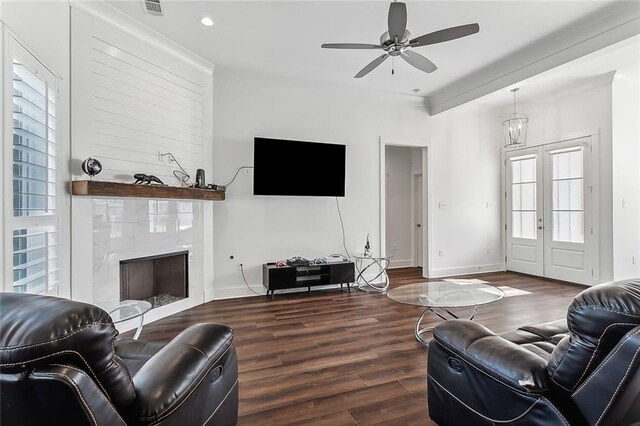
[[516, 222], [523, 197], [529, 225], [528, 191], [567, 196]]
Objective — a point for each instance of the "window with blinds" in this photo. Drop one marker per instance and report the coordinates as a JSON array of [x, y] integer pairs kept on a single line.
[[34, 182]]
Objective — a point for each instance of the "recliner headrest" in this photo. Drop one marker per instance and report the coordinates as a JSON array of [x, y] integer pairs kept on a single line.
[[597, 319], [36, 330]]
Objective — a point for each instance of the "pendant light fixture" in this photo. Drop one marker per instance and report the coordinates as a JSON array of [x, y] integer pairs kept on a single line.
[[515, 127]]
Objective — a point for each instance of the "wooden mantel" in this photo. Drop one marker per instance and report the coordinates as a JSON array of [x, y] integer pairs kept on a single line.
[[96, 188]]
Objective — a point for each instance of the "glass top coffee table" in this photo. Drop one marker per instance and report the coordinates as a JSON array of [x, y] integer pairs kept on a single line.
[[441, 296], [130, 309]]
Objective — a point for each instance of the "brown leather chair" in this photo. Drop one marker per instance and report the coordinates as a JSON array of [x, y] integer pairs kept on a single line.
[[582, 371], [61, 364]]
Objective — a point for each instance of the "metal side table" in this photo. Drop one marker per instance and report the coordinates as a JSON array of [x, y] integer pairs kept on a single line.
[[376, 267]]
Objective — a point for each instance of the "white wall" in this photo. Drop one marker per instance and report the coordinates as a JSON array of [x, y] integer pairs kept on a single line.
[[259, 229], [131, 100], [626, 170], [398, 161], [573, 114], [464, 189]]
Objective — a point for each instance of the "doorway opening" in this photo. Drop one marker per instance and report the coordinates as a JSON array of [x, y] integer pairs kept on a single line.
[[404, 200]]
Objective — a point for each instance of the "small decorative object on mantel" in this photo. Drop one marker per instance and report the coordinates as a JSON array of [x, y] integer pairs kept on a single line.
[[200, 180], [367, 248], [91, 166], [141, 178]]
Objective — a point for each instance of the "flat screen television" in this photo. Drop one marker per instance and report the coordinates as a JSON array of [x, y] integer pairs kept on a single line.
[[285, 167]]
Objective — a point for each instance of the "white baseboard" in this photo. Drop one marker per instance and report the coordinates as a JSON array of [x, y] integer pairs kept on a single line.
[[243, 291], [403, 263], [209, 295], [237, 291], [465, 270]]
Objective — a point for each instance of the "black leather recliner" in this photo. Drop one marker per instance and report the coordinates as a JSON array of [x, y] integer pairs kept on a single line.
[[61, 364], [582, 371]]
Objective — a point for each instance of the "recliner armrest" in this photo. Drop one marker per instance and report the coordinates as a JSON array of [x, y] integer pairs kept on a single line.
[[71, 397], [499, 358], [191, 363]]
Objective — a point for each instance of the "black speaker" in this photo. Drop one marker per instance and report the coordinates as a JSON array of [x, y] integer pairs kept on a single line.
[[200, 181]]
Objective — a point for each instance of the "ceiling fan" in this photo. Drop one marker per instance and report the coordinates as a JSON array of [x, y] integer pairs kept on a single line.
[[397, 41]]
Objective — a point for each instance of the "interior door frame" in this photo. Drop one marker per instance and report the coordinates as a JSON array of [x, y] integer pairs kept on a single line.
[[414, 217], [426, 217], [595, 199]]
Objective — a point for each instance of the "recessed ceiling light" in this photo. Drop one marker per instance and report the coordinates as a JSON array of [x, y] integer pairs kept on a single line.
[[206, 21]]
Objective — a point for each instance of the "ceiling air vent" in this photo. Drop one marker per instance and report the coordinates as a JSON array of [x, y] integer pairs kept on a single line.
[[152, 7]]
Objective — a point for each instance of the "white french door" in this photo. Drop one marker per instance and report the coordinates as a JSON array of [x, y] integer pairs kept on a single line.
[[549, 211]]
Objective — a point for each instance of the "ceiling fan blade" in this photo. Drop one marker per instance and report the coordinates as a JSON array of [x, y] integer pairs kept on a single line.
[[350, 46], [371, 66], [445, 35], [397, 20], [419, 61]]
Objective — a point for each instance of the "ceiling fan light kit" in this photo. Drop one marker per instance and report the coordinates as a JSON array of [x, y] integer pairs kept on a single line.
[[397, 41], [515, 127]]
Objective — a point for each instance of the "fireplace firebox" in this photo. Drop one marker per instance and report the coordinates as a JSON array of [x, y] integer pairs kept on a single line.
[[160, 279]]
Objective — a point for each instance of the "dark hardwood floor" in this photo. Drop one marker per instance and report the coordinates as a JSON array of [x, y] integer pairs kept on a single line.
[[341, 358]]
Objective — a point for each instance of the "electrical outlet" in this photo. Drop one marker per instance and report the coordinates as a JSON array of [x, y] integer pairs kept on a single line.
[[160, 157], [240, 266], [247, 172], [634, 260], [488, 250], [441, 253]]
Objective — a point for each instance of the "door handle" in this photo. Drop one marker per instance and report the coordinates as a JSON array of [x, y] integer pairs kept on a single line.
[[419, 225]]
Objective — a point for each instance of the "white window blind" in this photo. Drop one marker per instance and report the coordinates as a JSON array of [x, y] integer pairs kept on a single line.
[[33, 202]]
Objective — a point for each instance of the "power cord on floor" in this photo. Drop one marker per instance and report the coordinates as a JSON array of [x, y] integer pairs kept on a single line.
[[344, 238], [247, 283]]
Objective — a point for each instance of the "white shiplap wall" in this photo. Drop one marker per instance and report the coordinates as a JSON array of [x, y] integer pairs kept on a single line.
[[134, 94], [136, 101]]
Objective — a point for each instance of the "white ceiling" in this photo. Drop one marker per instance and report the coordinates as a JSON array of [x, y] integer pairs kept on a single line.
[[284, 38]]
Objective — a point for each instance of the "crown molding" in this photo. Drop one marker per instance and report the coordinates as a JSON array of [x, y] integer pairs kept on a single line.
[[613, 23]]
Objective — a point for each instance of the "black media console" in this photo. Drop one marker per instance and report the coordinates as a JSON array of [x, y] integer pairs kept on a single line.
[[283, 277]]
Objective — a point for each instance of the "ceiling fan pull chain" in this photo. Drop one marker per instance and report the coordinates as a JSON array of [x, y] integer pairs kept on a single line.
[[393, 65]]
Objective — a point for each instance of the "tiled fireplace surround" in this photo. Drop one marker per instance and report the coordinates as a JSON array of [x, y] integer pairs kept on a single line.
[[127, 228]]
